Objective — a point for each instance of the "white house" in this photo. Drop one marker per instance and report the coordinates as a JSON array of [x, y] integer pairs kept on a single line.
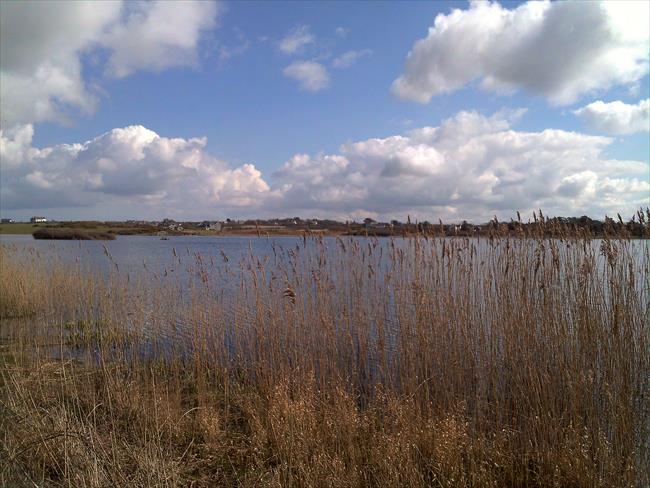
[[211, 225]]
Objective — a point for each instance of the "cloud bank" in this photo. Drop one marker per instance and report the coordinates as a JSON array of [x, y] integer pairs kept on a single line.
[[469, 167], [559, 50], [131, 165], [616, 118], [43, 45]]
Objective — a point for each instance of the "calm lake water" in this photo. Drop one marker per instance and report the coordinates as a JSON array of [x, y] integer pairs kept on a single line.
[[132, 254], [230, 262]]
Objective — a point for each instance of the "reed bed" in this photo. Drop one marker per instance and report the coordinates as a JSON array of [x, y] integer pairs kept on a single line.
[[509, 361]]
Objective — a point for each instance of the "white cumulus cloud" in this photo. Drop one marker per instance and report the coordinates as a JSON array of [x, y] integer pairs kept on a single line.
[[158, 35], [42, 45], [130, 166], [560, 50], [616, 118], [470, 166], [310, 75]]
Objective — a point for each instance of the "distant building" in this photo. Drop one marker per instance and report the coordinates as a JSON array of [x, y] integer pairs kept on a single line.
[[208, 225], [37, 220], [8, 221], [368, 222]]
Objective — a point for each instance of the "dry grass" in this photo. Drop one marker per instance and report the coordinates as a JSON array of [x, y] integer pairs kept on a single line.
[[505, 362]]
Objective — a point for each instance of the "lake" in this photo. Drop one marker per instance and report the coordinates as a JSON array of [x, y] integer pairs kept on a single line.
[[138, 255]]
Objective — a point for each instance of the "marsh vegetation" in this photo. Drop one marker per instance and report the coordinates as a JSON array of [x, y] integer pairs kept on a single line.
[[71, 234], [505, 361]]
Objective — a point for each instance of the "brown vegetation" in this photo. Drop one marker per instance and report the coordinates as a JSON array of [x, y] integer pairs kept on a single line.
[[71, 234], [504, 362]]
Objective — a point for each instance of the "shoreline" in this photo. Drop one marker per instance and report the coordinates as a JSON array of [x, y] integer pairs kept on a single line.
[[542, 227]]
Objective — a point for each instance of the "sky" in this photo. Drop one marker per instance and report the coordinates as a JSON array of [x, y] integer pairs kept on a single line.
[[434, 110]]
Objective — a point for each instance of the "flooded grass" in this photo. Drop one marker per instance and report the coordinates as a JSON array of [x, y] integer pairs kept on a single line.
[[505, 362]]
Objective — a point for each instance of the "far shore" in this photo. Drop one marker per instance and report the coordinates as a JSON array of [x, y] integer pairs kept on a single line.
[[296, 227]]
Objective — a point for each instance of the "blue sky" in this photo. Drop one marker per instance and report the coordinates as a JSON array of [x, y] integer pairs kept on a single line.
[[231, 99], [226, 77]]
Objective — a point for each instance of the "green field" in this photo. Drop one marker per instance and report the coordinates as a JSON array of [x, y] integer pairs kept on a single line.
[[19, 228], [28, 228], [126, 229]]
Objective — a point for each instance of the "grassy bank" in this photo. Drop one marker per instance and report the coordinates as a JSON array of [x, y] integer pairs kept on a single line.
[[419, 362], [20, 228], [87, 227]]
